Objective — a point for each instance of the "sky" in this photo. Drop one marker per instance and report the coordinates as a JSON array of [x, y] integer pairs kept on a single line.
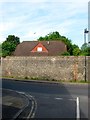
[[30, 19]]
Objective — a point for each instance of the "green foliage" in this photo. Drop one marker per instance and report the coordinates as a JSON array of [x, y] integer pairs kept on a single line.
[[66, 54], [9, 45], [88, 49], [5, 53], [13, 39], [50, 36], [85, 50], [57, 36], [75, 46], [76, 51], [84, 46]]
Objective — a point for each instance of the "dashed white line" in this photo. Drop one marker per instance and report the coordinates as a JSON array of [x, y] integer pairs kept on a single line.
[[66, 99], [72, 99], [59, 98]]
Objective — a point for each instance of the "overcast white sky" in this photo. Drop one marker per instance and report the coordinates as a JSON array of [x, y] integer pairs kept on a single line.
[[26, 17]]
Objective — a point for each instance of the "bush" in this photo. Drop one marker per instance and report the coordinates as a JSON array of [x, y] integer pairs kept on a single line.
[[66, 54]]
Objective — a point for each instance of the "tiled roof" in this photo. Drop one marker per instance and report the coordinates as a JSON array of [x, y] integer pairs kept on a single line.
[[53, 47]]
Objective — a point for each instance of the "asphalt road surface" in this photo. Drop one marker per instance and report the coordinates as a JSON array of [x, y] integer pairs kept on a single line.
[[54, 100], [16, 105]]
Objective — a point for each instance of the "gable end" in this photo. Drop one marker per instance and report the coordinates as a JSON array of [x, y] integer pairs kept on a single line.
[[39, 48]]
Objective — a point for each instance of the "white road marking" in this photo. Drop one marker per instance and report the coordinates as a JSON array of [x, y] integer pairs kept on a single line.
[[65, 99], [72, 99], [77, 106], [34, 106], [21, 92], [77, 109], [59, 98]]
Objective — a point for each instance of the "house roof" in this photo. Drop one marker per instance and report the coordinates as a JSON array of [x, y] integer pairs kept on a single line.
[[54, 48]]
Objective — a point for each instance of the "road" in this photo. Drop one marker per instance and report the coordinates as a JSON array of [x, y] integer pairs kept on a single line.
[[16, 105], [54, 100]]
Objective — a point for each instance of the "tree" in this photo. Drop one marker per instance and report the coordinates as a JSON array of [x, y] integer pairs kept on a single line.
[[85, 49], [50, 36], [76, 51], [88, 49], [84, 46], [9, 45], [75, 46], [56, 36]]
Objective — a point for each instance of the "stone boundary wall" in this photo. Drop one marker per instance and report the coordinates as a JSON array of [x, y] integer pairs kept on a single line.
[[66, 68]]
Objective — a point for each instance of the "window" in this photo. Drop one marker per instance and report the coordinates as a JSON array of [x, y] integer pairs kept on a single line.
[[39, 49]]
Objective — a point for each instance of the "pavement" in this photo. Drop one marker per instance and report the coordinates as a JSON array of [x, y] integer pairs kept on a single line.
[[13, 104]]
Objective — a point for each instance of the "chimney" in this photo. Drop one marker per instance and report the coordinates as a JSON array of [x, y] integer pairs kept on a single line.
[[48, 42]]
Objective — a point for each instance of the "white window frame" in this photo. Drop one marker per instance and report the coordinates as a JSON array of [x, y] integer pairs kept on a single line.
[[39, 49]]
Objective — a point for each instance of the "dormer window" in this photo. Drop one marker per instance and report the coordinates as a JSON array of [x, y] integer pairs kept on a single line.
[[39, 49]]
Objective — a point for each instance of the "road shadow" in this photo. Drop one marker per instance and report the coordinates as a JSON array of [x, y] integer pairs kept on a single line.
[[8, 112]]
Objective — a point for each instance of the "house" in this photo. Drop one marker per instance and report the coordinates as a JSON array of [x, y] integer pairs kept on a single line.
[[40, 48]]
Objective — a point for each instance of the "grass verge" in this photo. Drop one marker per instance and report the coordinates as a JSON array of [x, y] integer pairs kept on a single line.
[[46, 80]]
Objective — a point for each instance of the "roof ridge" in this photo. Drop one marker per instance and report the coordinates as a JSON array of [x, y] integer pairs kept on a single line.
[[44, 41], [30, 41]]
